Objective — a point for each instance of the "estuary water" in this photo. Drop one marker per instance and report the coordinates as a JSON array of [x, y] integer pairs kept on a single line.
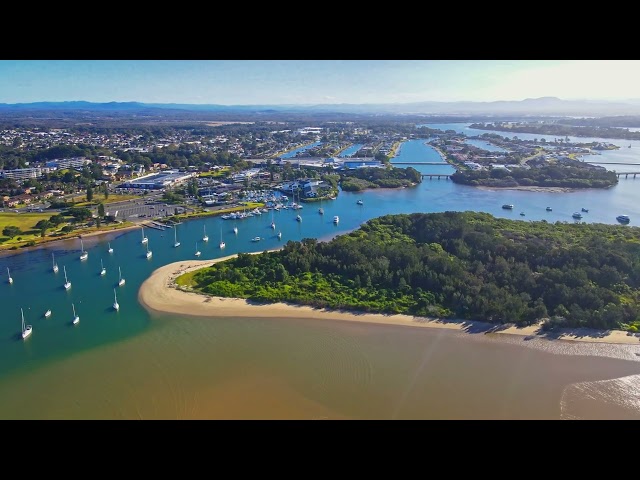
[[135, 364]]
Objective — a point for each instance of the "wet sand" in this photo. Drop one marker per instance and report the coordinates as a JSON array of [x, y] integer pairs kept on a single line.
[[160, 293]]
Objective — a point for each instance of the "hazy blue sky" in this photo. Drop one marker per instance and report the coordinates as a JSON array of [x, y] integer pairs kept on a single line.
[[247, 82]]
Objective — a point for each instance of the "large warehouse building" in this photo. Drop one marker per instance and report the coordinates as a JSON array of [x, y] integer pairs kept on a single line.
[[158, 181]]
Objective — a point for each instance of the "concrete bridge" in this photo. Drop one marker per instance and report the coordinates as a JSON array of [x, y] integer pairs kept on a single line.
[[626, 174], [425, 163], [431, 175]]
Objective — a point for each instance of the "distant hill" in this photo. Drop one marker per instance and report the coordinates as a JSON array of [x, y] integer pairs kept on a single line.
[[545, 106]]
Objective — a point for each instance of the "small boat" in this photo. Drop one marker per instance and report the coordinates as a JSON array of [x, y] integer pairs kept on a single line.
[[585, 210], [205, 237], [149, 253], [235, 230], [336, 219], [103, 271], [84, 255], [176, 243], [279, 235], [623, 218], [577, 215], [321, 211], [222, 244], [255, 239], [549, 209], [360, 202], [26, 329], [55, 265], [144, 239], [298, 218], [507, 206], [198, 253], [110, 249], [76, 318], [116, 305], [522, 214], [47, 314], [10, 279], [121, 280], [67, 283]]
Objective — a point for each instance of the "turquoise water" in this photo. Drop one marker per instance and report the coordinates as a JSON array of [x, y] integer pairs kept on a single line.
[[347, 152], [293, 153], [55, 341]]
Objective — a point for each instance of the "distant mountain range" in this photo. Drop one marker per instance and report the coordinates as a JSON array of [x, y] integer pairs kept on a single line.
[[551, 106]]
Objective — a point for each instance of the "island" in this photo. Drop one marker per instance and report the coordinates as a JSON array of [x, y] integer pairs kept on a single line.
[[462, 266]]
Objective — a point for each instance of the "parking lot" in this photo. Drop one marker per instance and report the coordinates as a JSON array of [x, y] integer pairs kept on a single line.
[[139, 210]]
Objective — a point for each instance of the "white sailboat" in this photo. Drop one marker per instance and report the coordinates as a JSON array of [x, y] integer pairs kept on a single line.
[[197, 251], [279, 235], [110, 249], [205, 237], [298, 218], [144, 239], [273, 224], [76, 318], [26, 329], [67, 283], [103, 271], [121, 280], [175, 236], [116, 305], [235, 230], [84, 255], [321, 210], [149, 252], [55, 265], [10, 279], [222, 244]]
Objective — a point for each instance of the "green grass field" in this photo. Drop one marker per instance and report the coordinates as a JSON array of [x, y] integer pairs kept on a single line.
[[186, 279]]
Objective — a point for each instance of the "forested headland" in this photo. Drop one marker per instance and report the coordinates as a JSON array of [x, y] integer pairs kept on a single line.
[[462, 265]]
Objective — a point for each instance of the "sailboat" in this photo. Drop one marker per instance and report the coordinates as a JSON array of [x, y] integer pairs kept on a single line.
[[222, 244], [67, 283], [121, 281], [235, 230], [76, 318], [321, 210], [84, 255], [144, 239], [110, 249], [55, 265], [298, 218], [279, 235], [197, 251], [175, 235], [273, 224], [116, 305], [205, 238], [26, 329], [103, 271], [10, 280], [149, 252]]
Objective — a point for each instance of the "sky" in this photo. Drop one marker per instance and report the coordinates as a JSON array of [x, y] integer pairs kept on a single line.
[[311, 82]]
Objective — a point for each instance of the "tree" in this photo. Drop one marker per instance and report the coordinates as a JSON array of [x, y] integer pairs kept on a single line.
[[100, 210], [11, 231], [89, 193], [106, 191]]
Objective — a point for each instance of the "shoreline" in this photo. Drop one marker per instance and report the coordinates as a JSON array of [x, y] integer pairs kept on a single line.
[[531, 188], [58, 241], [160, 293]]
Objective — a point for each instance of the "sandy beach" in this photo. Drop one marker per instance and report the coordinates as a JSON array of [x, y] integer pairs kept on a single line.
[[160, 293]]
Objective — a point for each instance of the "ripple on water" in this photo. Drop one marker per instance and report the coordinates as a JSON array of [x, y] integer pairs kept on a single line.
[[616, 399]]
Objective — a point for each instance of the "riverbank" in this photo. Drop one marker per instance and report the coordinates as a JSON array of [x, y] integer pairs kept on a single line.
[[160, 293], [531, 189], [92, 236]]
